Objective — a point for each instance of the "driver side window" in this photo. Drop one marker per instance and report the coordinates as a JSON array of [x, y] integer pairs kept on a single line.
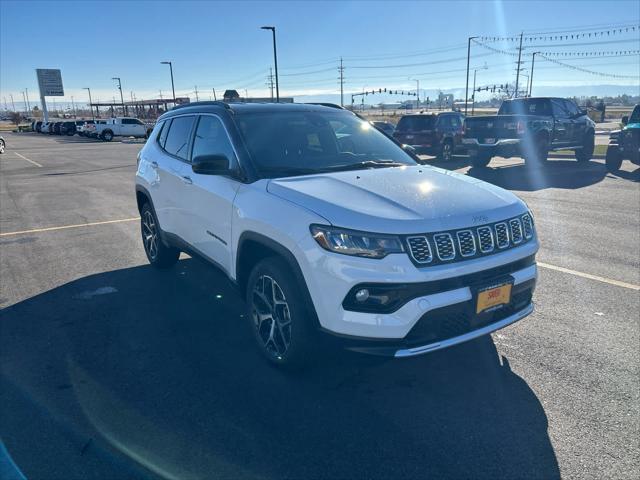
[[559, 110], [211, 139]]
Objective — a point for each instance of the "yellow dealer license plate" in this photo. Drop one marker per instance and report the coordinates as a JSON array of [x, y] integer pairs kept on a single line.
[[493, 296]]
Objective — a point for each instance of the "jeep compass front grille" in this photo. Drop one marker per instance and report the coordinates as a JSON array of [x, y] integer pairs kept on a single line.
[[444, 247]]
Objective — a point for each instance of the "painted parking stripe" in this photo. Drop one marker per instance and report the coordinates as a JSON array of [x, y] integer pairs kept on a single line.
[[64, 227], [28, 160], [597, 278]]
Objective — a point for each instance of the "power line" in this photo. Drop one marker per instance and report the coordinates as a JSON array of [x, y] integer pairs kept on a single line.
[[601, 74]]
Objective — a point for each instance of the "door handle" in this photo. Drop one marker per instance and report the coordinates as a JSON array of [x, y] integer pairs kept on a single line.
[[154, 164], [186, 179]]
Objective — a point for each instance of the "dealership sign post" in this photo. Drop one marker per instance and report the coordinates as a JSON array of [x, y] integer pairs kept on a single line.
[[50, 85]]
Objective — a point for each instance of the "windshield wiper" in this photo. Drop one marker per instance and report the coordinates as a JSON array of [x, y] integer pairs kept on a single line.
[[363, 165]]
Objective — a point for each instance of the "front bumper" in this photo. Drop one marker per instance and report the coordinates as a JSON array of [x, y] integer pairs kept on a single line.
[[330, 277]]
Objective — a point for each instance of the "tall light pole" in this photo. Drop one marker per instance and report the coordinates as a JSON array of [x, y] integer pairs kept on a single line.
[[13, 105], [519, 63], [90, 102], [417, 91], [73, 104], [173, 88], [124, 109], [214, 93], [275, 59], [533, 62], [26, 92], [24, 100], [473, 93], [466, 90]]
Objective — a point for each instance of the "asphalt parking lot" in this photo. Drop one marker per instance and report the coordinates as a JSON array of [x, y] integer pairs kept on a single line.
[[111, 369]]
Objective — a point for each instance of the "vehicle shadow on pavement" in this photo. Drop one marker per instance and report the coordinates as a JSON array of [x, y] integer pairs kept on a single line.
[[135, 371], [567, 174]]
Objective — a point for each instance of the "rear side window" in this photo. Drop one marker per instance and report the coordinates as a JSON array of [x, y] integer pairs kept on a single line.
[[179, 135], [415, 123], [164, 129]]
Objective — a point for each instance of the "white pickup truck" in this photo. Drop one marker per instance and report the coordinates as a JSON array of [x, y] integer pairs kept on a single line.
[[121, 127]]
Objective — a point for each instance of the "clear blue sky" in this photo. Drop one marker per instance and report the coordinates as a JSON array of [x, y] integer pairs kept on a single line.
[[219, 44]]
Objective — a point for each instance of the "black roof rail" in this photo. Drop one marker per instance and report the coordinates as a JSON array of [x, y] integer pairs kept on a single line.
[[325, 104], [203, 103]]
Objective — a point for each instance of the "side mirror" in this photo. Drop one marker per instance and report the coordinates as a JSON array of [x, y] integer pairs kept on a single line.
[[413, 153], [625, 119], [210, 164]]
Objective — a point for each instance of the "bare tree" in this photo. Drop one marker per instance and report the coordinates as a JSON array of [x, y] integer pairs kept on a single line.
[[15, 117]]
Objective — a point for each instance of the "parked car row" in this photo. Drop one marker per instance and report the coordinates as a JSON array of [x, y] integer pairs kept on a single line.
[[105, 129]]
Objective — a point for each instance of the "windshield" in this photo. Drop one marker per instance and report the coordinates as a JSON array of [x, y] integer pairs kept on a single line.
[[415, 123], [526, 106], [297, 143], [635, 115]]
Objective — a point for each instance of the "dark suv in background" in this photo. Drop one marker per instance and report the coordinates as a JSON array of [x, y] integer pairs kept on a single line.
[[625, 144], [432, 134]]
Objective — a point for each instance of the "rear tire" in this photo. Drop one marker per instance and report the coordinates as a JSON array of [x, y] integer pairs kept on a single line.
[[539, 153], [278, 315], [480, 160], [613, 160], [2, 145], [588, 145], [158, 254]]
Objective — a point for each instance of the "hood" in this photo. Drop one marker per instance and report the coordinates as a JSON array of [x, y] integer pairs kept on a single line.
[[399, 200]]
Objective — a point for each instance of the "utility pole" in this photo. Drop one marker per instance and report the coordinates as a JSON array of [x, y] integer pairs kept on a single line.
[[533, 62], [160, 94], [341, 70], [466, 90], [515, 95], [214, 94], [196, 92], [13, 105], [24, 100], [73, 104], [90, 102], [26, 92]]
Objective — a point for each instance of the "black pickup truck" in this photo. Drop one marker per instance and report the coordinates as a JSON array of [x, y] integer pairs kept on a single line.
[[530, 128]]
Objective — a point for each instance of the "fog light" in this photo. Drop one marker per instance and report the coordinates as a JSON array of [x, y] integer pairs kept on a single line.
[[362, 295]]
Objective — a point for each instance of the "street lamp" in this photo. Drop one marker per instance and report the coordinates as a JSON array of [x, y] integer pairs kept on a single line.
[[533, 62], [90, 102], [275, 59], [173, 89], [466, 90], [124, 109], [473, 93]]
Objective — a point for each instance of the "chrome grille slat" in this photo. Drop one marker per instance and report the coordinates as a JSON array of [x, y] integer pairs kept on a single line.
[[516, 230], [420, 249], [444, 246], [485, 238], [502, 235], [527, 226], [466, 243]]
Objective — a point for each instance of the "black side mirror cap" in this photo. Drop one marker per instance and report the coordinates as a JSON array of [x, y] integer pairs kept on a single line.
[[210, 164], [625, 119]]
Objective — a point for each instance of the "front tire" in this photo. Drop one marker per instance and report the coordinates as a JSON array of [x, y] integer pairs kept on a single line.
[[158, 254], [613, 159], [2, 145], [585, 154], [446, 151], [107, 136], [480, 160], [278, 315]]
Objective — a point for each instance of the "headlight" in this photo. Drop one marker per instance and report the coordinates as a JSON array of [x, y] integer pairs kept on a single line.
[[359, 244]]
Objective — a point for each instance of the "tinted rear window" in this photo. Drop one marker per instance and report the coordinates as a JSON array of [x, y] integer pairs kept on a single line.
[[179, 136], [414, 123], [526, 106]]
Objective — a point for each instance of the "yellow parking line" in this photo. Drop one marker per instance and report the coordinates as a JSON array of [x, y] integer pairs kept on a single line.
[[64, 227], [28, 160], [610, 281]]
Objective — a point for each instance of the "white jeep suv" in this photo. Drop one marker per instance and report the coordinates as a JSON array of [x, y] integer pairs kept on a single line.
[[332, 230]]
